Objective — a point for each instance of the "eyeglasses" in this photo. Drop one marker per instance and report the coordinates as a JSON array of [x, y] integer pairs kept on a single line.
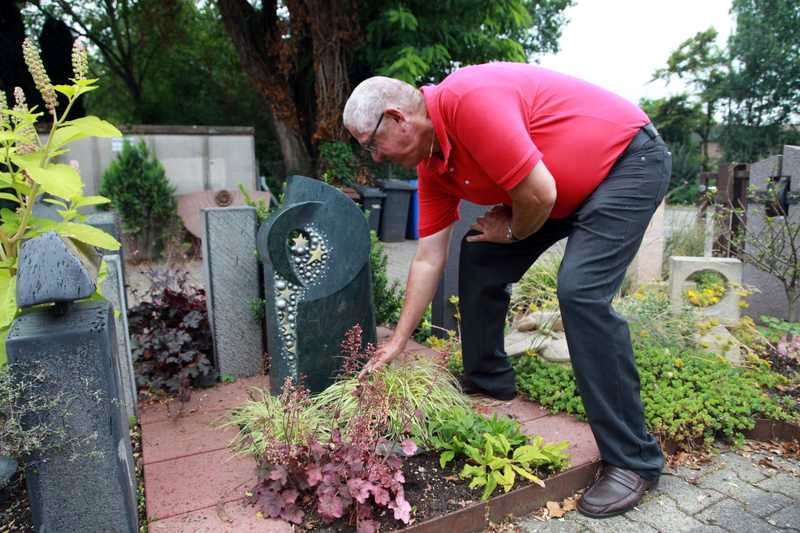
[[369, 146]]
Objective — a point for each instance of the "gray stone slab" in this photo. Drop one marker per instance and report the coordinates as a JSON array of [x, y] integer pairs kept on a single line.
[[746, 469], [315, 251], [733, 516], [615, 524], [689, 498], [561, 525], [664, 515], [781, 464], [788, 517], [759, 501], [784, 484], [87, 488], [232, 285], [108, 221], [113, 290], [55, 269]]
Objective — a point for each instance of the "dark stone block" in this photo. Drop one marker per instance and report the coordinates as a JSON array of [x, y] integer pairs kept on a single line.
[[73, 487], [8, 467], [442, 311], [108, 221], [55, 269], [316, 269]]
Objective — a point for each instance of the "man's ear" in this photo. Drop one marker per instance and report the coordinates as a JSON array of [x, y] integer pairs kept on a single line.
[[396, 115]]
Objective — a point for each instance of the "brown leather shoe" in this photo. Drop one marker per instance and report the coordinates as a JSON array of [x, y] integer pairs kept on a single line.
[[616, 491]]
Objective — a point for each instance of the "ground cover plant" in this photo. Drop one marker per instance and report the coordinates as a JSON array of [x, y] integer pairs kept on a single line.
[[170, 335], [690, 396]]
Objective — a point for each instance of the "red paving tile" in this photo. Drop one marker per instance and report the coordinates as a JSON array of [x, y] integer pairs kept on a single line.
[[196, 482], [185, 435], [519, 408], [223, 396], [555, 428], [232, 517]]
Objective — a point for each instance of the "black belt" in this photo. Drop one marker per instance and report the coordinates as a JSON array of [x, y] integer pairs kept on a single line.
[[646, 133]]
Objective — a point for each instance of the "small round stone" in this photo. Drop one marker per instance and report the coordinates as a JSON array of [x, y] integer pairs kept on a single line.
[[291, 317], [280, 303], [280, 284]]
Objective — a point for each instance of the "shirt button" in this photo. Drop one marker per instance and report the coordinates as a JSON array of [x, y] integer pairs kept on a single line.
[[466, 182], [451, 169]]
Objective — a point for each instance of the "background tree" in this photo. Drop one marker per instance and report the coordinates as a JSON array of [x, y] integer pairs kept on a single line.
[[303, 56], [703, 65], [764, 93], [679, 122], [128, 34]]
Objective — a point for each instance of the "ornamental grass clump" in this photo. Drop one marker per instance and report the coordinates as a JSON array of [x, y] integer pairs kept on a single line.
[[417, 391]]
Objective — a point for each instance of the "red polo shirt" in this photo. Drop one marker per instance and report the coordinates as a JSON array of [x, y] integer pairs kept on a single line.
[[495, 122]]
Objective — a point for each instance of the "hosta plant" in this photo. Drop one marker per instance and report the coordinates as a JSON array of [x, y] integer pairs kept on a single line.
[[29, 171]]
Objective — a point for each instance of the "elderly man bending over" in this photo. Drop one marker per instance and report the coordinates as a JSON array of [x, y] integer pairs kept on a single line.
[[557, 157]]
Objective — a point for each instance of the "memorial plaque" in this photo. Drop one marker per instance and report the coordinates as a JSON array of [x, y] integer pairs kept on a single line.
[[316, 263]]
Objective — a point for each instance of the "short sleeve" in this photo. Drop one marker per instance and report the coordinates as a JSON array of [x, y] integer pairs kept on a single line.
[[437, 208], [491, 124]]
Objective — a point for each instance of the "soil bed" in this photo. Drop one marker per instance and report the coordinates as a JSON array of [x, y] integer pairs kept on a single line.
[[431, 491], [15, 509]]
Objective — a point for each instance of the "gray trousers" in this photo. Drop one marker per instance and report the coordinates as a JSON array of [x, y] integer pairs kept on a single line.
[[603, 236]]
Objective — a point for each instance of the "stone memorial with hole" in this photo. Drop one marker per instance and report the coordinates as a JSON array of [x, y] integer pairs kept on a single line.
[[233, 287], [315, 251], [681, 268], [83, 480]]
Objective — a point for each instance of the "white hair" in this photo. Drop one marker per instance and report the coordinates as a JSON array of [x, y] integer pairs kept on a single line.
[[375, 95]]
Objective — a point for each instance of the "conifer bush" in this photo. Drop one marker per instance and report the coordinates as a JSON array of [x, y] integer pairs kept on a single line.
[[141, 194]]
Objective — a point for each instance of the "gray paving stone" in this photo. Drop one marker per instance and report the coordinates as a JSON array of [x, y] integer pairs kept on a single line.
[[732, 516], [564, 525], [662, 514], [788, 517], [784, 484], [782, 464], [744, 467], [689, 498], [615, 524], [759, 500]]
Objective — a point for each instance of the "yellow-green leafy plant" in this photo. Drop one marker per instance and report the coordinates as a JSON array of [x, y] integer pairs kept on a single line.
[[29, 171]]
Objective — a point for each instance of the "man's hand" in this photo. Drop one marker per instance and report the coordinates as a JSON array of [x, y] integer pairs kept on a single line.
[[493, 225], [382, 356]]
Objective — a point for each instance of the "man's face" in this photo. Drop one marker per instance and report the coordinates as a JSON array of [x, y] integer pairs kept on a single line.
[[391, 139]]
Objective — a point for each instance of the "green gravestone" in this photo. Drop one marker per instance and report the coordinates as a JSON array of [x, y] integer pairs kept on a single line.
[[317, 282]]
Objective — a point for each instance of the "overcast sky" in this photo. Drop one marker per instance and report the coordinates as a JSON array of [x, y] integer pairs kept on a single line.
[[618, 44]]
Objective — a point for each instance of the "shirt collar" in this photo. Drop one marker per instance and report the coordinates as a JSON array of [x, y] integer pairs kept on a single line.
[[434, 164]]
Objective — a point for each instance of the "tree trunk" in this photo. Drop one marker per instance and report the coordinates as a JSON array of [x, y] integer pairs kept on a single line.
[[793, 296], [269, 58]]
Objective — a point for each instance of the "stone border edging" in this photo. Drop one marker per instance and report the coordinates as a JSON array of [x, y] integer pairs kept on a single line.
[[527, 499]]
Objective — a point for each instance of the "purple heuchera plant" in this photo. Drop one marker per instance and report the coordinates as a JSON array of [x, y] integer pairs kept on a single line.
[[348, 474]]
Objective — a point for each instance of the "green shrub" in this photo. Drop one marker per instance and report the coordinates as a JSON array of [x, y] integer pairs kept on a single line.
[[338, 163], [139, 191], [686, 166], [388, 297]]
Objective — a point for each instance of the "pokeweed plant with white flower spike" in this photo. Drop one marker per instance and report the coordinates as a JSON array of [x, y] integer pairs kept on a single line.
[[28, 171]]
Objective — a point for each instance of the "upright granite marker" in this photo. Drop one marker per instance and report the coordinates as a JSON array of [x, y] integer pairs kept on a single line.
[[84, 480], [316, 264], [232, 284]]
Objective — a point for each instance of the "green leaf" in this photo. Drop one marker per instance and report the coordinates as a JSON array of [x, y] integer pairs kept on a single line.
[[79, 128], [446, 457], [59, 180], [491, 484], [83, 201], [509, 476], [66, 90], [87, 234], [7, 196], [477, 482], [8, 298], [527, 475], [3, 337], [56, 202]]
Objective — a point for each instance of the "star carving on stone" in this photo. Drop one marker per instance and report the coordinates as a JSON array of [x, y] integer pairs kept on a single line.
[[316, 255], [286, 294], [300, 240]]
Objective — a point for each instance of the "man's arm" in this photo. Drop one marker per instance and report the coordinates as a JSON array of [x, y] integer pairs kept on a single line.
[[423, 278], [532, 200]]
